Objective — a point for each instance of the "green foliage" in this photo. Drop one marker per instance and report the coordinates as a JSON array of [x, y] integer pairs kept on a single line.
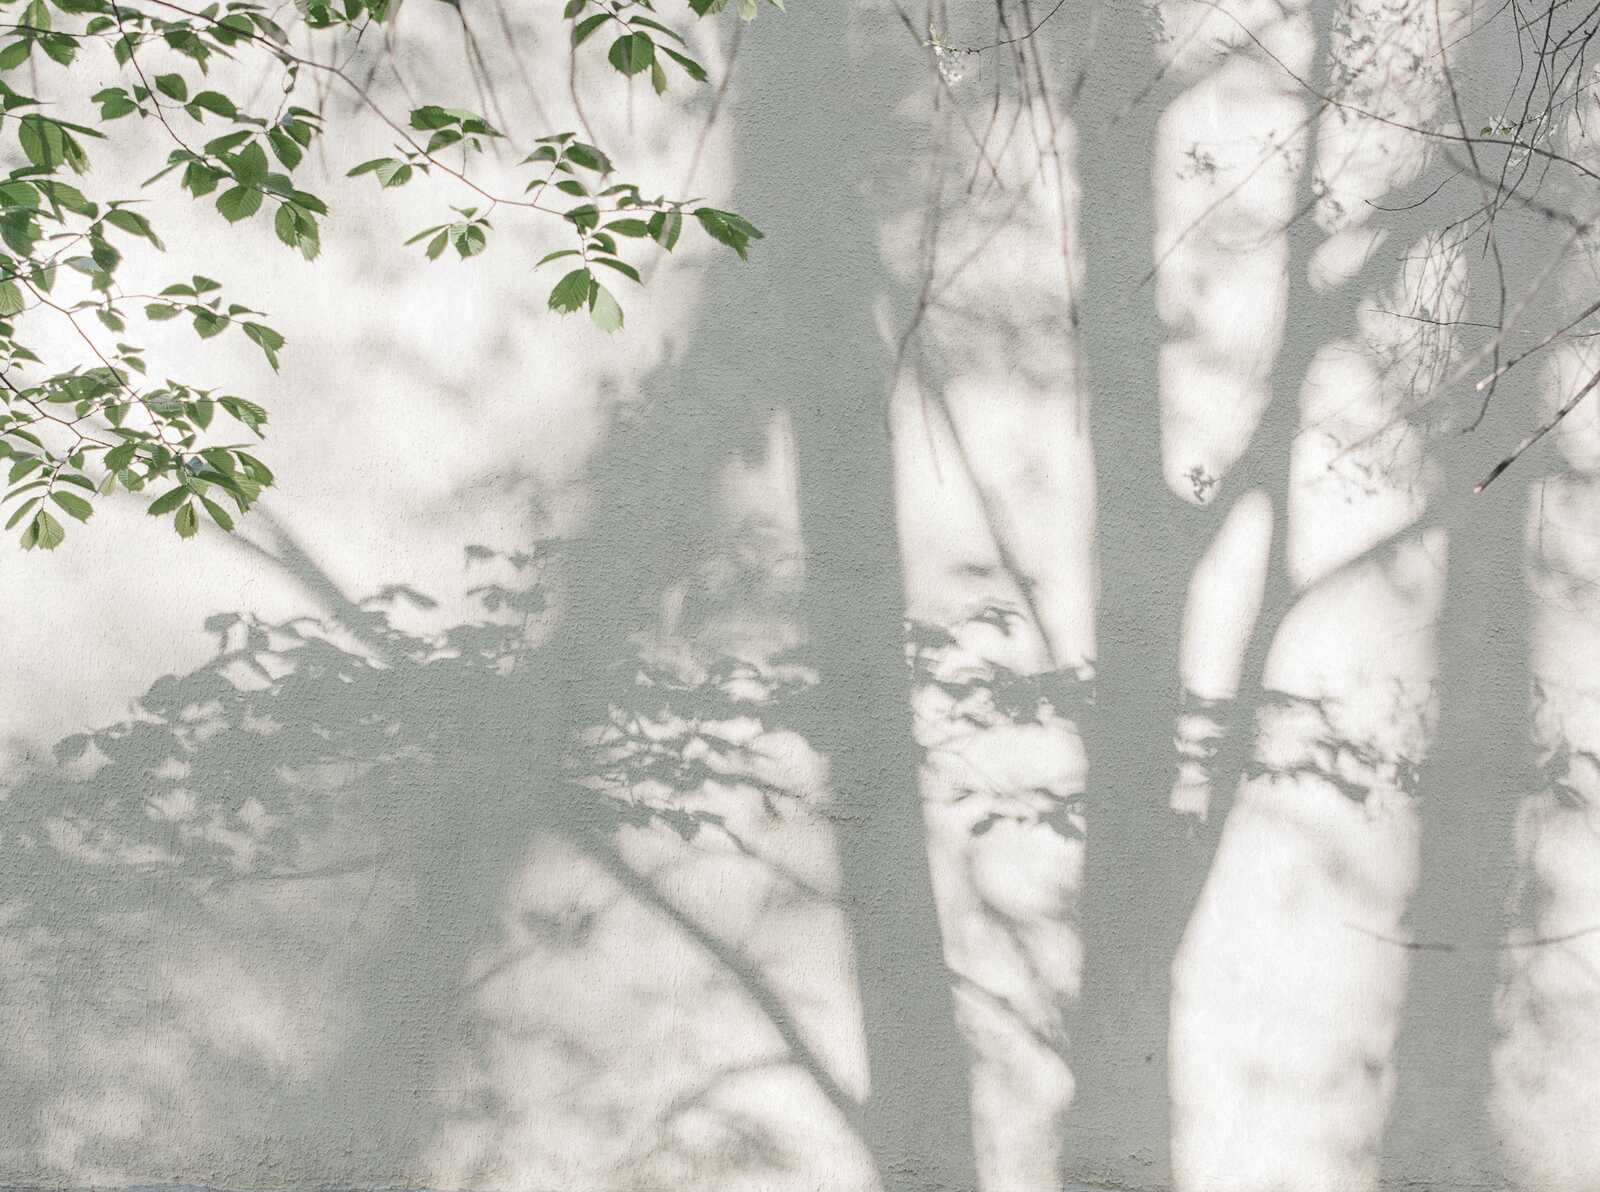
[[639, 41], [73, 430]]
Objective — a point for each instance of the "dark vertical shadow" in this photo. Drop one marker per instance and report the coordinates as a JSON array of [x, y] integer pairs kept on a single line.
[[818, 159], [1148, 542], [809, 327], [1441, 1131], [1146, 863]]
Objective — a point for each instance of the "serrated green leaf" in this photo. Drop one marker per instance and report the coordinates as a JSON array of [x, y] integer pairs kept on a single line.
[[621, 267], [571, 292], [727, 228], [218, 514], [168, 501], [75, 505], [267, 339], [588, 157], [208, 322], [285, 148], [43, 531], [582, 30], [241, 202], [632, 52], [604, 310], [690, 67], [22, 511], [249, 165]]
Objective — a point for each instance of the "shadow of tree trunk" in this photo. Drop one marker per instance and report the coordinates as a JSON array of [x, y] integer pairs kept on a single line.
[[1148, 542], [1442, 1130], [793, 334]]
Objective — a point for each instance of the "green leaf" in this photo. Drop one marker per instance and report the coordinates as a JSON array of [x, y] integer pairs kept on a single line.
[[727, 228], [285, 147], [10, 299], [571, 292], [285, 225], [249, 165], [62, 194], [114, 101], [75, 505], [216, 103], [582, 30], [367, 167], [690, 67], [258, 470], [585, 218], [588, 157], [432, 116], [43, 531], [632, 52], [425, 233], [604, 310], [657, 26], [22, 511], [228, 141], [557, 255], [665, 228], [42, 141], [208, 322], [61, 47], [168, 501], [133, 222], [268, 339], [187, 523], [469, 239], [218, 514], [621, 267], [658, 77], [200, 180], [173, 87], [393, 173], [443, 139], [246, 412], [28, 463], [241, 202]]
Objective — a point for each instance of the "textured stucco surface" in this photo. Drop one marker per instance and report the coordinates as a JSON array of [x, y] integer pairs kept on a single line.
[[534, 794]]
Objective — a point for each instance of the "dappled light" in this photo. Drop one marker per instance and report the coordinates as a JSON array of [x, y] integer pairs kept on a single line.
[[1052, 650]]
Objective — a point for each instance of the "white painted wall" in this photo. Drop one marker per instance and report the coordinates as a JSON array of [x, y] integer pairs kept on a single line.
[[523, 799]]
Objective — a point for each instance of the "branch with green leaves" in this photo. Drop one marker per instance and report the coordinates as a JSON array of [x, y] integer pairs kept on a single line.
[[80, 416]]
